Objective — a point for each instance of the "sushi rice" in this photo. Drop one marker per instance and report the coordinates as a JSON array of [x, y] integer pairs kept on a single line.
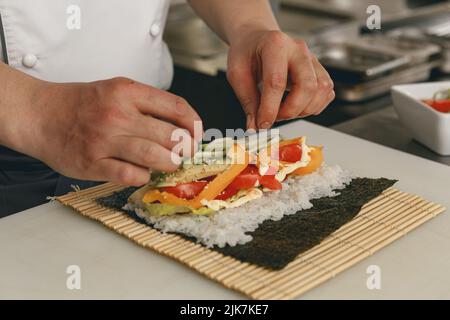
[[231, 226]]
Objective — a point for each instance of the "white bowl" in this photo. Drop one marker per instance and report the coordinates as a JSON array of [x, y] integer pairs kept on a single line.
[[428, 126]]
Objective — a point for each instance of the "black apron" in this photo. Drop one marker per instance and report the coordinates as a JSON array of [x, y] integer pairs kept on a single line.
[[26, 182]]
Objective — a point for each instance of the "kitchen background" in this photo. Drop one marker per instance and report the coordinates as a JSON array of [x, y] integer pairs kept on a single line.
[[413, 45]]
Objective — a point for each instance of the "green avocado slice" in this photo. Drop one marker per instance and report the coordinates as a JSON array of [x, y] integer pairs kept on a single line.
[[160, 210]]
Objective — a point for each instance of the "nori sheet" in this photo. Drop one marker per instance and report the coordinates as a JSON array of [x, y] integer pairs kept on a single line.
[[276, 243]]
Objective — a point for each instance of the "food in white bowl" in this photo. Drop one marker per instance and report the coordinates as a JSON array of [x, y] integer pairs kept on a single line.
[[440, 101], [421, 108]]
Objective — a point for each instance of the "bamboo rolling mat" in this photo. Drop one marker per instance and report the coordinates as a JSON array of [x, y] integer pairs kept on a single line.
[[380, 222]]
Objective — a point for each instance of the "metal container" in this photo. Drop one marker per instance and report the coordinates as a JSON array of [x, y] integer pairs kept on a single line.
[[358, 8], [315, 26], [440, 35], [366, 68], [416, 49], [371, 89], [429, 25], [351, 63]]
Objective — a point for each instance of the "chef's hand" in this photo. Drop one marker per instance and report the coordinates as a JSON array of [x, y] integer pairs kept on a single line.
[[270, 58], [113, 130]]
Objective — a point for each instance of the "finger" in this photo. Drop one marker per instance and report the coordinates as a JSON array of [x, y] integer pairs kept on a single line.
[[164, 134], [274, 75], [121, 172], [304, 83], [324, 102], [169, 107], [328, 100], [325, 87], [144, 153], [242, 80]]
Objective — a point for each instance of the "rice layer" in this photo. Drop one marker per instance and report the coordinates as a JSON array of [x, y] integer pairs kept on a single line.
[[230, 226]]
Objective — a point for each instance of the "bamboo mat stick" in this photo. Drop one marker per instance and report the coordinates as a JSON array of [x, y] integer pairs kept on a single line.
[[380, 222], [358, 240], [387, 238]]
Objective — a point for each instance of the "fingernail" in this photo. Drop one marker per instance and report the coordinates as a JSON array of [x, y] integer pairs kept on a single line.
[[249, 121], [141, 180], [176, 159], [265, 125], [198, 131]]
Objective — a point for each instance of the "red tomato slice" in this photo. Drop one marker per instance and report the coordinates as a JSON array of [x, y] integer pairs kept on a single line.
[[441, 105], [247, 179], [270, 182], [186, 190], [290, 153], [227, 193]]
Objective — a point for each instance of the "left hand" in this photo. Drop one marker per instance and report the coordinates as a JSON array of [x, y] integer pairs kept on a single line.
[[271, 58]]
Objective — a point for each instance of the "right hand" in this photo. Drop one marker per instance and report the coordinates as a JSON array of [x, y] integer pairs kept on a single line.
[[113, 130]]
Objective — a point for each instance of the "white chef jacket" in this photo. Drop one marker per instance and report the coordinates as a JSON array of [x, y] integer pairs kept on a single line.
[[115, 38]]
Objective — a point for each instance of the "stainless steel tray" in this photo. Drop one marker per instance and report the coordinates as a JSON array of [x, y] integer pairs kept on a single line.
[[430, 25], [391, 9], [429, 36], [352, 63], [314, 26], [377, 87], [348, 8], [417, 49], [440, 35]]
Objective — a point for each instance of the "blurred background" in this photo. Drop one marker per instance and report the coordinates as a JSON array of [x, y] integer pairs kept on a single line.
[[413, 45]]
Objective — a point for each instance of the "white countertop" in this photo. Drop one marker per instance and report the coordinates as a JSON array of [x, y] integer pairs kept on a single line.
[[37, 245]]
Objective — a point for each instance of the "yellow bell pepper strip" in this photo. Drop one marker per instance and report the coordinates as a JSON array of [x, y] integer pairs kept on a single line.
[[297, 140], [166, 198], [212, 190], [316, 155]]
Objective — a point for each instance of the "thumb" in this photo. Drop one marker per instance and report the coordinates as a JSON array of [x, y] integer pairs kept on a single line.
[[244, 84]]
